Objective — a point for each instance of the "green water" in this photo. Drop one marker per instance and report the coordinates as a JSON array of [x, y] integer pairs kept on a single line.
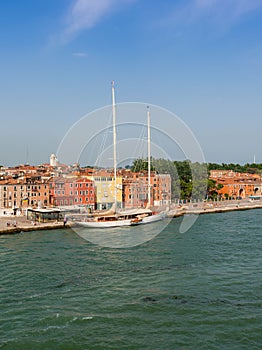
[[198, 290]]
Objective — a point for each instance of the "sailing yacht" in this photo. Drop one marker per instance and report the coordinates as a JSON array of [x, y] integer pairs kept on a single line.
[[131, 217]]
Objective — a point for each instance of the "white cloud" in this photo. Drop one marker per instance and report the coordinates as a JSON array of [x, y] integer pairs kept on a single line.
[[232, 7], [85, 14], [221, 14], [80, 54], [244, 6]]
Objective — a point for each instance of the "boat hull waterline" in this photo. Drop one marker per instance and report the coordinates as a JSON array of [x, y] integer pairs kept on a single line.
[[121, 223]]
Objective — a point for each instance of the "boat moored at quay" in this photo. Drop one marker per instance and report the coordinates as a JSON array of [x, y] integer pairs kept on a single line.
[[130, 217]]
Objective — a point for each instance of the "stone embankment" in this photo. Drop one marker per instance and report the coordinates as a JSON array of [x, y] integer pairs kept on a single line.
[[10, 224], [17, 224], [214, 207]]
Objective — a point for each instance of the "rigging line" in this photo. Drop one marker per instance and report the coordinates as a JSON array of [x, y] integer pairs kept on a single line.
[[140, 144], [105, 138]]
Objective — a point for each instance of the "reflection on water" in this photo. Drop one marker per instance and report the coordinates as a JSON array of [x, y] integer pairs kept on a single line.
[[122, 237]]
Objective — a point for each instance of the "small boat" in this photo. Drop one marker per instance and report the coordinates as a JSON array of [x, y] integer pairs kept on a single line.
[[136, 221]]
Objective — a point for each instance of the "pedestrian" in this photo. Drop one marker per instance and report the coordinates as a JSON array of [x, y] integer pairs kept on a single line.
[[65, 220]]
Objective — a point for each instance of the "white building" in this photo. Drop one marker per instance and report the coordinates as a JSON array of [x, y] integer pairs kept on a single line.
[[53, 160]]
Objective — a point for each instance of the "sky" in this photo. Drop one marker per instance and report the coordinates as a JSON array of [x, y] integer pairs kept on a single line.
[[199, 59]]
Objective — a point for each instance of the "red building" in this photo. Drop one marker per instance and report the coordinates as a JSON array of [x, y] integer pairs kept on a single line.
[[85, 192], [72, 191]]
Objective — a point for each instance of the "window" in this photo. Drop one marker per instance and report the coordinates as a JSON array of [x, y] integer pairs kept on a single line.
[[80, 185], [75, 185], [75, 200], [80, 199], [76, 193], [87, 199], [86, 192]]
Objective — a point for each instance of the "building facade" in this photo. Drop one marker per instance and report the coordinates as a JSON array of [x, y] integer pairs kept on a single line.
[[23, 193], [105, 188], [72, 191], [136, 189], [237, 185]]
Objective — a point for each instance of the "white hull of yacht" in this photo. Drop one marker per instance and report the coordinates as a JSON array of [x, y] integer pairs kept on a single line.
[[154, 218], [122, 222], [104, 224]]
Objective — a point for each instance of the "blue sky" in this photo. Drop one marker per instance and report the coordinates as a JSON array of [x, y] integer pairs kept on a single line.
[[200, 59]]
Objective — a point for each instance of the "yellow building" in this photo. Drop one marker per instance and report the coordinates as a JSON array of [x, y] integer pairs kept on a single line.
[[105, 190]]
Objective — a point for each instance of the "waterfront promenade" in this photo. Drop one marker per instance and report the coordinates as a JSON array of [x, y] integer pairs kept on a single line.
[[10, 224], [208, 207]]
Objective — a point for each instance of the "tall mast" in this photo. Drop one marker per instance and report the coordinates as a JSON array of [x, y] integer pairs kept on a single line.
[[149, 156], [114, 141]]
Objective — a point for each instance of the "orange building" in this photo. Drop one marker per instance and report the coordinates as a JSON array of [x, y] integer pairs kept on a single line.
[[23, 193], [135, 189], [237, 185]]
